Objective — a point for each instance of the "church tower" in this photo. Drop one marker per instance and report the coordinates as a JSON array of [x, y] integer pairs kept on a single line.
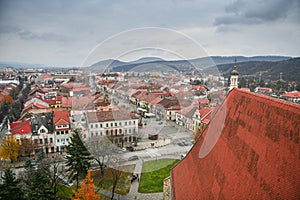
[[234, 77]]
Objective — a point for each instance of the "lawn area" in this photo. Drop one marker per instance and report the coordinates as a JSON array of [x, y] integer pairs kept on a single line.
[[153, 174], [124, 183], [64, 192]]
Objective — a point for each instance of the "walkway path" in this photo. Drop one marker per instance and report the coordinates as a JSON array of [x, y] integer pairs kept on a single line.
[[133, 192]]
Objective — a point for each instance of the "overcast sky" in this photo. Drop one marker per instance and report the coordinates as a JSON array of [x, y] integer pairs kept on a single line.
[[65, 32]]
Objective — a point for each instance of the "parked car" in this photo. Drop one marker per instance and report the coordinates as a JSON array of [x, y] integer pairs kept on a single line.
[[135, 157], [181, 144], [65, 181], [130, 148], [67, 156]]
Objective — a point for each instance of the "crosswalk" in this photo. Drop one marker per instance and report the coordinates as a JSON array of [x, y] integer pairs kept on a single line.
[[153, 153]]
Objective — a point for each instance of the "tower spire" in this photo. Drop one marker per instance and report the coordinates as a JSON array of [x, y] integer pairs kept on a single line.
[[234, 76], [234, 63]]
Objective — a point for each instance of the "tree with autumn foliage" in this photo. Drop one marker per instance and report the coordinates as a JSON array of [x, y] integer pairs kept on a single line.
[[9, 148], [199, 131], [87, 190]]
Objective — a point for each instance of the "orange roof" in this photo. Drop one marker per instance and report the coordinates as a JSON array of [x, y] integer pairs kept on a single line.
[[156, 100], [294, 94], [61, 117], [45, 76], [78, 89], [204, 111], [77, 102], [250, 150]]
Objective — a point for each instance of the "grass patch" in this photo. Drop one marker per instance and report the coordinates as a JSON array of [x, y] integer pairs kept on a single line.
[[153, 174], [64, 192], [124, 183]]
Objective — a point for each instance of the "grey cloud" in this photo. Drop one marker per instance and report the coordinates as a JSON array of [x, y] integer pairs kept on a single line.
[[8, 29], [256, 11], [48, 36]]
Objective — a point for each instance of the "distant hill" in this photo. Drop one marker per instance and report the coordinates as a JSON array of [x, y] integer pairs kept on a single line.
[[146, 60], [179, 65], [269, 70], [105, 64]]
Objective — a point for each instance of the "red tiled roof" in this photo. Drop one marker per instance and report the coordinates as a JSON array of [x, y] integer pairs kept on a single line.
[[77, 102], [115, 115], [294, 94], [50, 101], [188, 111], [33, 106], [78, 89], [61, 118], [45, 76], [20, 127], [204, 111], [58, 98], [250, 150], [156, 100]]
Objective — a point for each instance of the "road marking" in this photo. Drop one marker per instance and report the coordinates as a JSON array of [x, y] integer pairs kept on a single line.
[[153, 153]]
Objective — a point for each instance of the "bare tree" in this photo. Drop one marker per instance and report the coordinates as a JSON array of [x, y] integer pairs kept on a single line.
[[54, 167], [102, 151], [116, 172]]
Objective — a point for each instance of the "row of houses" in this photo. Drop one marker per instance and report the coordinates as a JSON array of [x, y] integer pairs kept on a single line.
[[50, 131], [54, 110]]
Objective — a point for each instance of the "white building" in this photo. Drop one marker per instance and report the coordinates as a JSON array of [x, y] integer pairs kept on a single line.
[[119, 126]]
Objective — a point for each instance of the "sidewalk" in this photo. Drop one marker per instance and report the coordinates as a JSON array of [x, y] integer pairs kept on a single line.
[[133, 192], [148, 144]]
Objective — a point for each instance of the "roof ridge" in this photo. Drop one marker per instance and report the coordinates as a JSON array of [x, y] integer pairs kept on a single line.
[[286, 103]]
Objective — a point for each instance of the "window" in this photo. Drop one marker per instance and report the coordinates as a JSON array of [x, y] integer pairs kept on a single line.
[[57, 140], [100, 125], [91, 125], [96, 126], [129, 130], [111, 124], [43, 130], [125, 123], [96, 133], [106, 124], [41, 141], [120, 124], [57, 132], [116, 124], [134, 122], [129, 122], [51, 140], [92, 133]]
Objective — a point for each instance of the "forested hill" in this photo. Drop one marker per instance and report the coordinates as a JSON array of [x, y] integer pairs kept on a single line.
[[269, 70]]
